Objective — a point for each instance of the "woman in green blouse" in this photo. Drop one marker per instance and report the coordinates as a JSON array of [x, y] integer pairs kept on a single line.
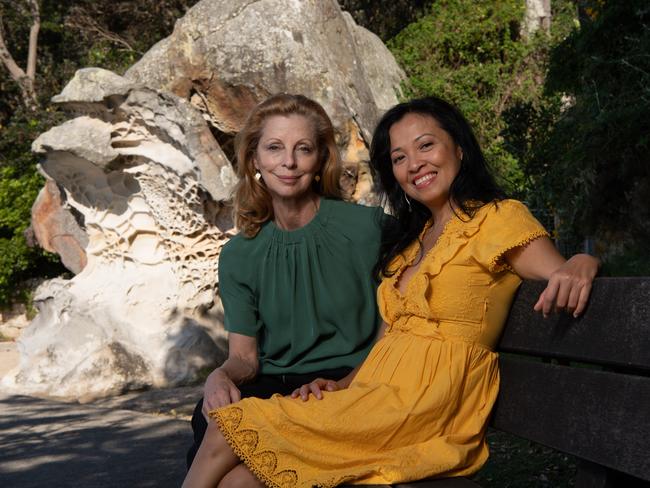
[[296, 283]]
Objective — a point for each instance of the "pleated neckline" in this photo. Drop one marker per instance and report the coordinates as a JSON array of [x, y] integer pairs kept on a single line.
[[295, 236]]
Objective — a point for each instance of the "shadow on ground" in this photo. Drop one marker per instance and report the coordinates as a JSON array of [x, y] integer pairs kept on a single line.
[[49, 443]]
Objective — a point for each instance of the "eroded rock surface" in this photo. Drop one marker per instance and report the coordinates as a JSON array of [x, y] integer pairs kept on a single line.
[[135, 172], [226, 56], [56, 228]]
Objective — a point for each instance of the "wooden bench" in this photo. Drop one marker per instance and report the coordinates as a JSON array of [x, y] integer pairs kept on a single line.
[[580, 386]]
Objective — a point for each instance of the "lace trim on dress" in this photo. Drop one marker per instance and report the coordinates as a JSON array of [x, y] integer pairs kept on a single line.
[[497, 263], [244, 442], [262, 463]]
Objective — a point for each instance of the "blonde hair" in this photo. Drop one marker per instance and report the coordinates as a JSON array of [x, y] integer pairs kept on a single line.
[[252, 201]]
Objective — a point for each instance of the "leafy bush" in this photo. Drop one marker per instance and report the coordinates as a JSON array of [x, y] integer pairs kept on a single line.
[[104, 33], [471, 53], [19, 186], [384, 17], [633, 260], [592, 163]]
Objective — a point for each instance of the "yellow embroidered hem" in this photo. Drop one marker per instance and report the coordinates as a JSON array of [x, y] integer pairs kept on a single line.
[[244, 443], [400, 420]]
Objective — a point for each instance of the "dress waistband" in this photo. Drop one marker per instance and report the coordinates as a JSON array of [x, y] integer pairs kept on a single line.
[[441, 329]]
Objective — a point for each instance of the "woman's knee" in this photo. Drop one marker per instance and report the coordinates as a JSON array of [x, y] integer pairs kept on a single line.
[[214, 443], [240, 477]]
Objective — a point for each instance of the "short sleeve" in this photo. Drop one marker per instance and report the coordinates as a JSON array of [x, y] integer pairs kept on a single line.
[[239, 302], [508, 224]]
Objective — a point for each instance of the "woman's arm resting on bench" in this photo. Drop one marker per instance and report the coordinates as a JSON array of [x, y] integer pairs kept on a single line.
[[569, 282]]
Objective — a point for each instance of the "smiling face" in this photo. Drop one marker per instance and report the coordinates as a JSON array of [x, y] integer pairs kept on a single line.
[[287, 156], [425, 159]]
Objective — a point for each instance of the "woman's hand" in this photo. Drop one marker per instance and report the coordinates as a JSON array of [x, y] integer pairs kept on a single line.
[[316, 388], [569, 282], [219, 391], [569, 286], [241, 366]]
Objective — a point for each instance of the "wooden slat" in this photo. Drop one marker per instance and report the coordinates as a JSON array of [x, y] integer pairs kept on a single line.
[[592, 475], [441, 483], [615, 329], [599, 416]]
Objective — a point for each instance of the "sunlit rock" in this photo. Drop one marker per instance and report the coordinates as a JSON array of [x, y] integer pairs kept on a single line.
[[136, 315]]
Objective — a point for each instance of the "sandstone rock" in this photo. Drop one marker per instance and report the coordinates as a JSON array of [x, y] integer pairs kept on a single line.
[[13, 321], [93, 85], [130, 110], [57, 230], [135, 173], [378, 65], [84, 137], [225, 56]]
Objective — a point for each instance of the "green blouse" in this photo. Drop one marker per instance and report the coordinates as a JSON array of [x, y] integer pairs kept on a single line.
[[307, 295]]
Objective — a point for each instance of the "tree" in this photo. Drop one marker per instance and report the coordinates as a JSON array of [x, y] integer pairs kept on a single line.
[[24, 78], [385, 17], [590, 160], [69, 35], [472, 53]]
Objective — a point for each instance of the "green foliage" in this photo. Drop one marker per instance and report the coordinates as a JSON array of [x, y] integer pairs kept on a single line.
[[593, 161], [634, 260], [111, 34], [471, 53], [19, 186]]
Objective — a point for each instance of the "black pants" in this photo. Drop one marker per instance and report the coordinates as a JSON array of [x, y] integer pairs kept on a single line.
[[264, 386]]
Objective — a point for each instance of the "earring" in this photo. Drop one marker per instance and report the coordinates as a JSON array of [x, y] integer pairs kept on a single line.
[[258, 175], [317, 178], [408, 202]]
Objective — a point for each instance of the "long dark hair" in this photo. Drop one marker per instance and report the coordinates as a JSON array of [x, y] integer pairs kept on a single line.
[[473, 186]]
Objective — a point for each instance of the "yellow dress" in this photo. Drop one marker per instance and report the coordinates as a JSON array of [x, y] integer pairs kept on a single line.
[[419, 405]]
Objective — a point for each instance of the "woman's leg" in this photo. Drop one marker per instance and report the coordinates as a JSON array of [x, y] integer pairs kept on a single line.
[[213, 460], [240, 477]]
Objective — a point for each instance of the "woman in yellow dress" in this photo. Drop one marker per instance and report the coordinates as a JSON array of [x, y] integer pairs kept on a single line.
[[418, 406]]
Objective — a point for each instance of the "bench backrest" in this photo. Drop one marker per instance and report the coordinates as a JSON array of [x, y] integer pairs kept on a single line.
[[581, 386]]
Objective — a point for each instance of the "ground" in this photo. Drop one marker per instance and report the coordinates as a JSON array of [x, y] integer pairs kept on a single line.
[[140, 439]]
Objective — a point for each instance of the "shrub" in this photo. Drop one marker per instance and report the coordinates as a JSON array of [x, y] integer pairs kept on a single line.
[[593, 161], [19, 186], [471, 53]]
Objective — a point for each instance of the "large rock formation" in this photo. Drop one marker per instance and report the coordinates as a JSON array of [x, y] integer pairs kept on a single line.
[[228, 55], [145, 182], [225, 56], [143, 171]]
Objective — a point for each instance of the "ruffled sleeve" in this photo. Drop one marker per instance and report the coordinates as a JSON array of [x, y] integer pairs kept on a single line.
[[507, 225]]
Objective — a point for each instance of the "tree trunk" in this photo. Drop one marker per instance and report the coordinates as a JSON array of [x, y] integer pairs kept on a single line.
[[25, 80], [538, 16]]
